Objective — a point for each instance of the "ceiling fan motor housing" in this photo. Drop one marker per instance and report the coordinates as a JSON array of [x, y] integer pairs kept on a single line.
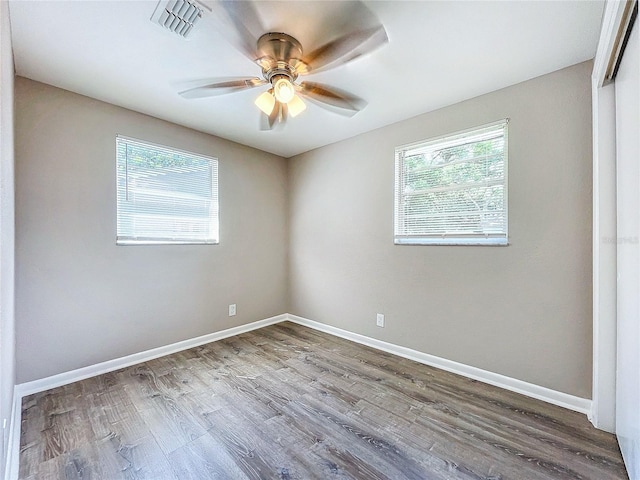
[[279, 55]]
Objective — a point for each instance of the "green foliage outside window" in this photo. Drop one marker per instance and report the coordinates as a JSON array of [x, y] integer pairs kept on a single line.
[[453, 188]]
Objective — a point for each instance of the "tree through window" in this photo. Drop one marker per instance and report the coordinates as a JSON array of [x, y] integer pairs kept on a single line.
[[165, 195], [453, 190]]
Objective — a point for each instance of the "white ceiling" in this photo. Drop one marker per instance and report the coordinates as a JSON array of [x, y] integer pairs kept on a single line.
[[439, 53]]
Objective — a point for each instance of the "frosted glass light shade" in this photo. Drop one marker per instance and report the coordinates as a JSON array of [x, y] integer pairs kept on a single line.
[[296, 106], [283, 90], [266, 102]]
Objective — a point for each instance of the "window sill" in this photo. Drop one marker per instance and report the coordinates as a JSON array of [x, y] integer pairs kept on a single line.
[[165, 242], [456, 242]]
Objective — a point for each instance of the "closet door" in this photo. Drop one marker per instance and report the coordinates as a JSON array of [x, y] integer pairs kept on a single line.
[[627, 83]]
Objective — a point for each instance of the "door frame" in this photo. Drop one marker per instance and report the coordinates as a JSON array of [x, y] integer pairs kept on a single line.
[[615, 23]]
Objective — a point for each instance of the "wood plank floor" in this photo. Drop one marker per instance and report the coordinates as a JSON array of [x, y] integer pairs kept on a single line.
[[288, 402]]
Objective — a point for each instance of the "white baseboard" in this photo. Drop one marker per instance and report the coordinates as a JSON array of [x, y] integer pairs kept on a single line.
[[561, 399], [12, 462], [555, 397], [65, 378]]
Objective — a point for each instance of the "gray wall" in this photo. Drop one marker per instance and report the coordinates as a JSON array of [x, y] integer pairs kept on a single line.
[[80, 299], [7, 203], [313, 236], [522, 310]]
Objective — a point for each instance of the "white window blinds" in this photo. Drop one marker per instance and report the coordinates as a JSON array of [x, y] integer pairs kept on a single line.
[[165, 195], [453, 190]]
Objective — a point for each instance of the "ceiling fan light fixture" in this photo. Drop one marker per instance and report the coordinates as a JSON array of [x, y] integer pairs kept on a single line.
[[296, 106], [281, 59], [283, 89], [266, 101]]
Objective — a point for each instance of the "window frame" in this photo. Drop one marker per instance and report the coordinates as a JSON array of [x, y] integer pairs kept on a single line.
[[122, 240], [471, 239]]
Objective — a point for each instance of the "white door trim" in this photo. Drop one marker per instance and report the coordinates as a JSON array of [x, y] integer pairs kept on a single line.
[[615, 20]]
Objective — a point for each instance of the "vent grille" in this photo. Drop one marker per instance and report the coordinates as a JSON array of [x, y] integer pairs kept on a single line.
[[178, 16]]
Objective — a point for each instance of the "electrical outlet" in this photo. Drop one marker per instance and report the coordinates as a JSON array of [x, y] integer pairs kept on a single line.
[[380, 320], [232, 310]]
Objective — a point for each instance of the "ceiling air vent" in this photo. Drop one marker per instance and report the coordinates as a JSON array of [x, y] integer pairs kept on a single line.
[[178, 16]]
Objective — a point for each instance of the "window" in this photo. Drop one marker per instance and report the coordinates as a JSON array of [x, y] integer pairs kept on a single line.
[[165, 195], [453, 190]]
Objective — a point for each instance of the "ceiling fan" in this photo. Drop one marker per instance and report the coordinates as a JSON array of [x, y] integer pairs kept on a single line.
[[282, 60]]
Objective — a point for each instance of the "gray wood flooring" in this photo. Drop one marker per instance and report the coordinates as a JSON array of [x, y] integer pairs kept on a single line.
[[287, 402]]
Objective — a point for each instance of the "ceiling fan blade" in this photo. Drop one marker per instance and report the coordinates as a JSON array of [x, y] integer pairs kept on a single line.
[[344, 49], [283, 115], [221, 88], [332, 99], [246, 24], [276, 118], [265, 125], [267, 122]]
